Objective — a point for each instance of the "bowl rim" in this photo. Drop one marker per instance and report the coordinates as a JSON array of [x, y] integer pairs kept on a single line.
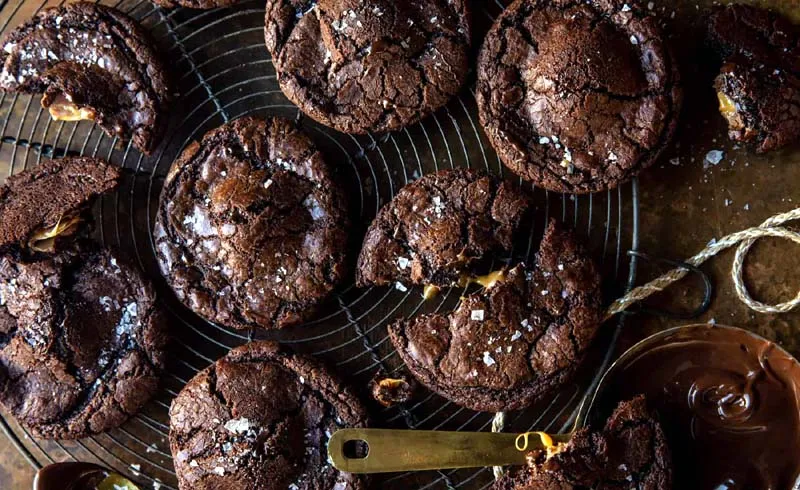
[[591, 401]]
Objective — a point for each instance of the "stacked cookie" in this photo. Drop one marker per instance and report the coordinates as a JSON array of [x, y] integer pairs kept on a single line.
[[83, 338]]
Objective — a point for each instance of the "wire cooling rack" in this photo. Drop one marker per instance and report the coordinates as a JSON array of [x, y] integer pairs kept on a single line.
[[223, 71]]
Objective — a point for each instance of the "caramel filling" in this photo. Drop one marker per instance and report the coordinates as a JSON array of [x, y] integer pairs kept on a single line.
[[43, 240], [430, 292], [486, 281], [550, 446], [390, 383], [727, 107], [62, 109]]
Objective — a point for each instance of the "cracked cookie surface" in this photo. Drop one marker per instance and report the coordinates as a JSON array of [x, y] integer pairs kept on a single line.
[[630, 453], [368, 66], [577, 96], [42, 196], [251, 229], [436, 228], [261, 417], [759, 83], [91, 57], [82, 340], [509, 345]]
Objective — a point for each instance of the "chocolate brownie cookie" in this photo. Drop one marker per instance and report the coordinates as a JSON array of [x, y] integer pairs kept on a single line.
[[577, 96], [759, 84], [252, 229], [438, 227], [82, 342], [260, 417], [369, 66], [515, 342], [90, 62], [49, 196], [631, 453]]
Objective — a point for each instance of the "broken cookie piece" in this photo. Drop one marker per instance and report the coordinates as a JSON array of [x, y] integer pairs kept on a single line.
[[45, 201], [514, 343], [758, 86], [82, 340], [437, 228], [630, 453], [91, 62], [373, 66]]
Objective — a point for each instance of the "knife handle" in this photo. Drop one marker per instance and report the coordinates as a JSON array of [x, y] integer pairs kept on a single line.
[[416, 450]]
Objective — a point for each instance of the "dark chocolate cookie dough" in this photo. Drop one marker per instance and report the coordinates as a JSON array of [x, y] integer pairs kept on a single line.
[[515, 342], [759, 84], [90, 62], [630, 453], [577, 96], [260, 418], [252, 229], [83, 342], [46, 196], [436, 228], [369, 66]]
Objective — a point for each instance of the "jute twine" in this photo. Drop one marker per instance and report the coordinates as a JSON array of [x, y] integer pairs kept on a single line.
[[745, 240]]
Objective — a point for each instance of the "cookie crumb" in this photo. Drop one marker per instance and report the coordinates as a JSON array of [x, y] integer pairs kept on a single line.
[[392, 390]]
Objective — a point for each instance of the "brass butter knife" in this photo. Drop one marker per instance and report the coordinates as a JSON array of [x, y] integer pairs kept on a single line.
[[416, 450]]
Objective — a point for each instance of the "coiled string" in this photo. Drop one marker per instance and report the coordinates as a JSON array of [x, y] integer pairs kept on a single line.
[[745, 239]]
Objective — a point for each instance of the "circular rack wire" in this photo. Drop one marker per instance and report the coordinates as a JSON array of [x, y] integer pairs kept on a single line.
[[223, 71]]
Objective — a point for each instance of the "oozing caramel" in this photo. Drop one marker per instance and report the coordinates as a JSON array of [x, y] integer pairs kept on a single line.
[[42, 240], [62, 109], [487, 280], [727, 107]]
